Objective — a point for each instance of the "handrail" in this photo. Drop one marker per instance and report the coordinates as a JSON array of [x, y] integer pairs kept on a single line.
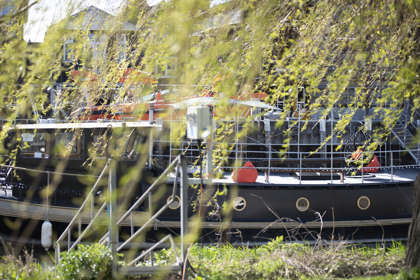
[[171, 240], [90, 196], [82, 234], [145, 194], [176, 162], [146, 224]]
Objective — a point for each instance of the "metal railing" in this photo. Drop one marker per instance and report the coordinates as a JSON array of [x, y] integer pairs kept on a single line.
[[78, 216], [114, 222]]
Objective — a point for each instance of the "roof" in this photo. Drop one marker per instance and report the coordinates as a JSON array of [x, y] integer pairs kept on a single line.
[[94, 18], [46, 13]]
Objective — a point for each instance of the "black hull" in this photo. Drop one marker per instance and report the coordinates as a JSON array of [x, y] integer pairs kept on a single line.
[[273, 203], [270, 211], [327, 203]]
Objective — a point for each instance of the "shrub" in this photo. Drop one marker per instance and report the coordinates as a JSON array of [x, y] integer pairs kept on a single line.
[[85, 263], [23, 268]]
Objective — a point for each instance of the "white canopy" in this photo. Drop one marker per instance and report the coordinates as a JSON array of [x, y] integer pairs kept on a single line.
[[91, 125]]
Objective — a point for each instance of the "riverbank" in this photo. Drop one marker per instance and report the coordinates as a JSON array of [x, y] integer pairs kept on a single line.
[[275, 260]]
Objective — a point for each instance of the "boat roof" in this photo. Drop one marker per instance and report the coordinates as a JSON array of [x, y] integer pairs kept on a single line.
[[206, 100], [87, 125]]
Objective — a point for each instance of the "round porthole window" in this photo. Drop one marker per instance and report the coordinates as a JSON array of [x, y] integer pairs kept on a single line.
[[302, 204], [175, 204], [239, 203], [363, 202]]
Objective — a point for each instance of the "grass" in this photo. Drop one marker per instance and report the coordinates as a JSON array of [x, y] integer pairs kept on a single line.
[[279, 260], [275, 260]]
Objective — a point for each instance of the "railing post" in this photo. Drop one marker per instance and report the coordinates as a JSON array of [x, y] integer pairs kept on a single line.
[[332, 144], [392, 165], [69, 240], [112, 212], [184, 208], [418, 143], [92, 206], [149, 164], [298, 147], [57, 253]]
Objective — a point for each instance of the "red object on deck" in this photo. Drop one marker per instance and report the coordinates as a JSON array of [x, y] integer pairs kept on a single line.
[[373, 165], [246, 174], [356, 155]]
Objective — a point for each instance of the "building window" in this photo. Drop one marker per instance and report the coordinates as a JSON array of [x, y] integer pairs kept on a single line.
[[122, 46], [68, 50], [169, 68]]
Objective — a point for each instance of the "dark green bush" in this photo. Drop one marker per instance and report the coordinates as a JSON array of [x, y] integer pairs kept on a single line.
[[85, 263]]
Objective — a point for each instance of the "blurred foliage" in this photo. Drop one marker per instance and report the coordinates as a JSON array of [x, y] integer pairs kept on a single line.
[[87, 262], [275, 260], [232, 49], [279, 260], [24, 267], [278, 47]]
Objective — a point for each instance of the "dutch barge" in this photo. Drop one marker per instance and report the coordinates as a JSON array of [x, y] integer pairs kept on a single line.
[[259, 186]]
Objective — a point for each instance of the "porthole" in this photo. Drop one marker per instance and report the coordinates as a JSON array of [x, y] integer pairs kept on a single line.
[[239, 203], [175, 204], [363, 202], [302, 204]]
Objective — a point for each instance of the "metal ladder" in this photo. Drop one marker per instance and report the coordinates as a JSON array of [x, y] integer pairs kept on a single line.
[[111, 237]]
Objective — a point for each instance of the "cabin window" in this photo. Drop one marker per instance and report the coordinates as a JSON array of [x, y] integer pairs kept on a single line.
[[67, 145], [34, 144]]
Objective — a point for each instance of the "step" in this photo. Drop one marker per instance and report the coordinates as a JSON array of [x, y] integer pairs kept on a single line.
[[138, 270]]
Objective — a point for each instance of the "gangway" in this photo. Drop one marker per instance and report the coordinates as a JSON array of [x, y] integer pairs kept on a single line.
[[116, 220]]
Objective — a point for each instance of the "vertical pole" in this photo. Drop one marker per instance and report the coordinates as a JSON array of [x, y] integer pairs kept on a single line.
[[92, 206], [68, 240], [331, 143], [210, 152], [405, 121], [131, 224], [322, 134], [298, 147], [184, 208], [57, 253], [112, 211], [151, 117], [392, 164], [363, 162], [267, 130], [235, 166], [149, 204], [170, 136], [150, 148], [380, 154], [418, 144]]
